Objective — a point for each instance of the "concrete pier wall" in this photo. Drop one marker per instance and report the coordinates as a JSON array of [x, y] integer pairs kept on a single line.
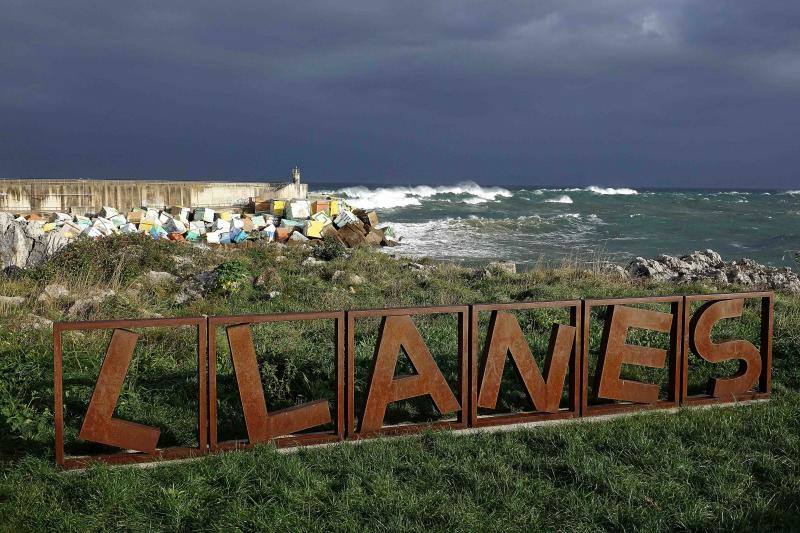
[[80, 196]]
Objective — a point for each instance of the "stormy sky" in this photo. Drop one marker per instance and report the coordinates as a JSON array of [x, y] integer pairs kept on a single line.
[[643, 93]]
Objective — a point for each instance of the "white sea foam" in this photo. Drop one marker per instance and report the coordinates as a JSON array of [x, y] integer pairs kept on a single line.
[[610, 190], [389, 197], [563, 199], [792, 192]]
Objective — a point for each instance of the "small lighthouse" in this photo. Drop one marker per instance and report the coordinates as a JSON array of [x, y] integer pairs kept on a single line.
[[295, 175]]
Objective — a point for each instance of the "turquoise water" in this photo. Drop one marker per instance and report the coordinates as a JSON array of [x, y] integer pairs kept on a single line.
[[472, 223]]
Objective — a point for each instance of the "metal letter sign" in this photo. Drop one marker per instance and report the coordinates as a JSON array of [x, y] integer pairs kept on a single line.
[[558, 390]]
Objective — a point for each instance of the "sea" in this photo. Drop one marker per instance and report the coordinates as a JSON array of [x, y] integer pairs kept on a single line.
[[473, 223]]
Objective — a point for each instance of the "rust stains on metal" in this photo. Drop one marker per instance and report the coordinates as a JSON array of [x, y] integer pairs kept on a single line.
[[615, 352], [748, 355], [399, 332], [506, 338], [261, 426], [99, 425], [567, 361]]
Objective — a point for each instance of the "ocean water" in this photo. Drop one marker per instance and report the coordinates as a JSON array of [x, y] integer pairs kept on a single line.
[[472, 223]]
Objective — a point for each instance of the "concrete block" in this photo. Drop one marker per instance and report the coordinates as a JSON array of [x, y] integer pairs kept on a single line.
[[225, 237], [237, 223], [269, 232], [91, 232], [289, 223], [173, 225], [258, 222], [59, 217], [238, 235], [351, 235], [313, 228], [128, 227], [176, 237], [83, 222], [212, 237], [320, 206], [345, 218], [163, 217], [203, 214], [322, 217], [151, 214], [192, 236], [277, 207], [298, 209], [374, 237], [108, 212], [118, 220], [222, 225], [261, 206], [335, 207], [136, 216], [197, 226], [296, 237], [282, 234], [146, 225], [50, 226], [247, 224], [225, 215]]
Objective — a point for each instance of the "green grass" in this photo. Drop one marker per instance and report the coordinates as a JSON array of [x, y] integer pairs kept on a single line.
[[730, 468]]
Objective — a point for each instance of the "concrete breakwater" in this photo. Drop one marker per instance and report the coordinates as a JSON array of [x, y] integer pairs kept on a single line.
[[80, 196]]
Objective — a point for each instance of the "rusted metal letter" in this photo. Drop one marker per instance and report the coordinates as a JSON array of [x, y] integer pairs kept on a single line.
[[399, 332], [99, 425], [505, 337], [261, 426], [615, 353], [748, 355]]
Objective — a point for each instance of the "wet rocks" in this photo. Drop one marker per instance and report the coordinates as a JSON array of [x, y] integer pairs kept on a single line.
[[708, 266]]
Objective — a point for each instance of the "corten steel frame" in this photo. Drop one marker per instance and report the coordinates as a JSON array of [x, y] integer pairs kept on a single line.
[[103, 401], [764, 386], [573, 381], [315, 437], [672, 363], [122, 346], [462, 417]]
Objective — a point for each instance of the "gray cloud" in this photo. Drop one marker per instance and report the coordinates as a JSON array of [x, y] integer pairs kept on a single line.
[[613, 92]]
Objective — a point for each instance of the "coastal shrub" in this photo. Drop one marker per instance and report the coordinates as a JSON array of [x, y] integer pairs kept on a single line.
[[119, 257], [231, 277], [329, 249]]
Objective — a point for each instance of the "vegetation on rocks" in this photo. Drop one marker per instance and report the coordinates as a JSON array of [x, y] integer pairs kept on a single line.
[[729, 468]]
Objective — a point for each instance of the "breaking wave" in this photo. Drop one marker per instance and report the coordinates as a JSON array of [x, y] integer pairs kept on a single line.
[[392, 197], [610, 190], [563, 199]]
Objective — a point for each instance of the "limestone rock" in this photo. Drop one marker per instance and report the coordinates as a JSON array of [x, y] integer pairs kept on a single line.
[[11, 301], [157, 278], [53, 291]]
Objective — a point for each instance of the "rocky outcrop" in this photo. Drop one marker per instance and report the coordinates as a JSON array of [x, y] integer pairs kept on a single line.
[[708, 266], [23, 244]]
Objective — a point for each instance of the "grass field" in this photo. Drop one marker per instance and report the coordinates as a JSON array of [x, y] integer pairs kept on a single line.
[[726, 468]]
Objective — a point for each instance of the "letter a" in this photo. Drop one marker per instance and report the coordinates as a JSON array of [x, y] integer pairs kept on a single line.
[[99, 425], [400, 332], [506, 338], [261, 426], [700, 341]]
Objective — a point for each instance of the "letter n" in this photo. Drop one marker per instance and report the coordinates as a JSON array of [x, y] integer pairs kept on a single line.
[[399, 332], [262, 426], [505, 338], [748, 355], [99, 424]]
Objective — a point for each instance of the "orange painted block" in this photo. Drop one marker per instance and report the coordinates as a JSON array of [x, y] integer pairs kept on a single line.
[[283, 234], [320, 206]]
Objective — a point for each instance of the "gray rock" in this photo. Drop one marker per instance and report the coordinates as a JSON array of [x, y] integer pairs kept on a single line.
[[53, 291], [82, 307], [708, 266], [312, 262], [354, 280], [36, 322], [196, 287], [502, 267], [24, 244], [12, 301], [157, 278]]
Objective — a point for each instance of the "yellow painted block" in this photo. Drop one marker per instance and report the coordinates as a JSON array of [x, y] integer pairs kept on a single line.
[[314, 228], [50, 226], [278, 207], [334, 207], [145, 226], [226, 216]]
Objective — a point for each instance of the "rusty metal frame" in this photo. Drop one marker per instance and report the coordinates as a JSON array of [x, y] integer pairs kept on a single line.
[[767, 327], [574, 368], [673, 363], [462, 419], [320, 437], [176, 452]]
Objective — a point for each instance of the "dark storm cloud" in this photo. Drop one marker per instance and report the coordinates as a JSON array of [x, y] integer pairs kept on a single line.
[[615, 92]]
